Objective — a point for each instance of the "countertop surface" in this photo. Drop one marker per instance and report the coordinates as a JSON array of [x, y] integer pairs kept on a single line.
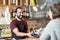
[[25, 39], [31, 39]]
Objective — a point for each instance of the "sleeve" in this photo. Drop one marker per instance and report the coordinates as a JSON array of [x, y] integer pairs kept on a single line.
[[13, 25], [45, 34]]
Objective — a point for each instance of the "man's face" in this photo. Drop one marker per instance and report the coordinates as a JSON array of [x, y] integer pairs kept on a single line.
[[19, 13]]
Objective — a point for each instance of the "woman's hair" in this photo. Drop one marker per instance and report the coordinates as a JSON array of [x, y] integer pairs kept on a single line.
[[55, 10]]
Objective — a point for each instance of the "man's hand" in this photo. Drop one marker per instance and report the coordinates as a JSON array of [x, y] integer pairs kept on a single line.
[[29, 35]]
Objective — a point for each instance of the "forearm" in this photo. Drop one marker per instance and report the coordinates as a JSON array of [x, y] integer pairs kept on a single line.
[[21, 34]]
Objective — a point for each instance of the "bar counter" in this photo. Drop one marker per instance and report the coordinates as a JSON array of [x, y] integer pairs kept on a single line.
[[23, 39], [31, 39]]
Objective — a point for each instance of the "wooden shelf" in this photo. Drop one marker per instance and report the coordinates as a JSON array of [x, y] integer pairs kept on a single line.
[[5, 36], [34, 18], [5, 24], [38, 18]]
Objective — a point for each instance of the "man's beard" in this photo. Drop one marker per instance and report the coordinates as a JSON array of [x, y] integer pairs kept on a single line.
[[20, 17]]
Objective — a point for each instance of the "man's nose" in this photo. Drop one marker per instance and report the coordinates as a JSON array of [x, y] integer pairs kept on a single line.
[[21, 13]]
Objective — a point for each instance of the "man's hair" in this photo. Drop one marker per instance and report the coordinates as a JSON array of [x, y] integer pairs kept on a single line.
[[18, 8], [55, 10]]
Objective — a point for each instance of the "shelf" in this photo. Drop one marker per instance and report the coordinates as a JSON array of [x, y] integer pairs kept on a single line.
[[6, 36], [38, 18], [4, 23], [34, 18]]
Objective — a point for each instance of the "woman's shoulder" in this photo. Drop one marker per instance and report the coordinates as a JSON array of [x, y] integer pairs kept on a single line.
[[52, 21]]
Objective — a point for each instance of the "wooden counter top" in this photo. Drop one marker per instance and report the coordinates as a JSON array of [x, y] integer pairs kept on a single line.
[[9, 38], [31, 39]]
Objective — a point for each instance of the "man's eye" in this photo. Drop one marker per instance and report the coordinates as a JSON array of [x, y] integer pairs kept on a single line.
[[20, 12]]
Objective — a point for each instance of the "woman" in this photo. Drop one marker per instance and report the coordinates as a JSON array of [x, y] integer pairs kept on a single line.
[[52, 30]]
